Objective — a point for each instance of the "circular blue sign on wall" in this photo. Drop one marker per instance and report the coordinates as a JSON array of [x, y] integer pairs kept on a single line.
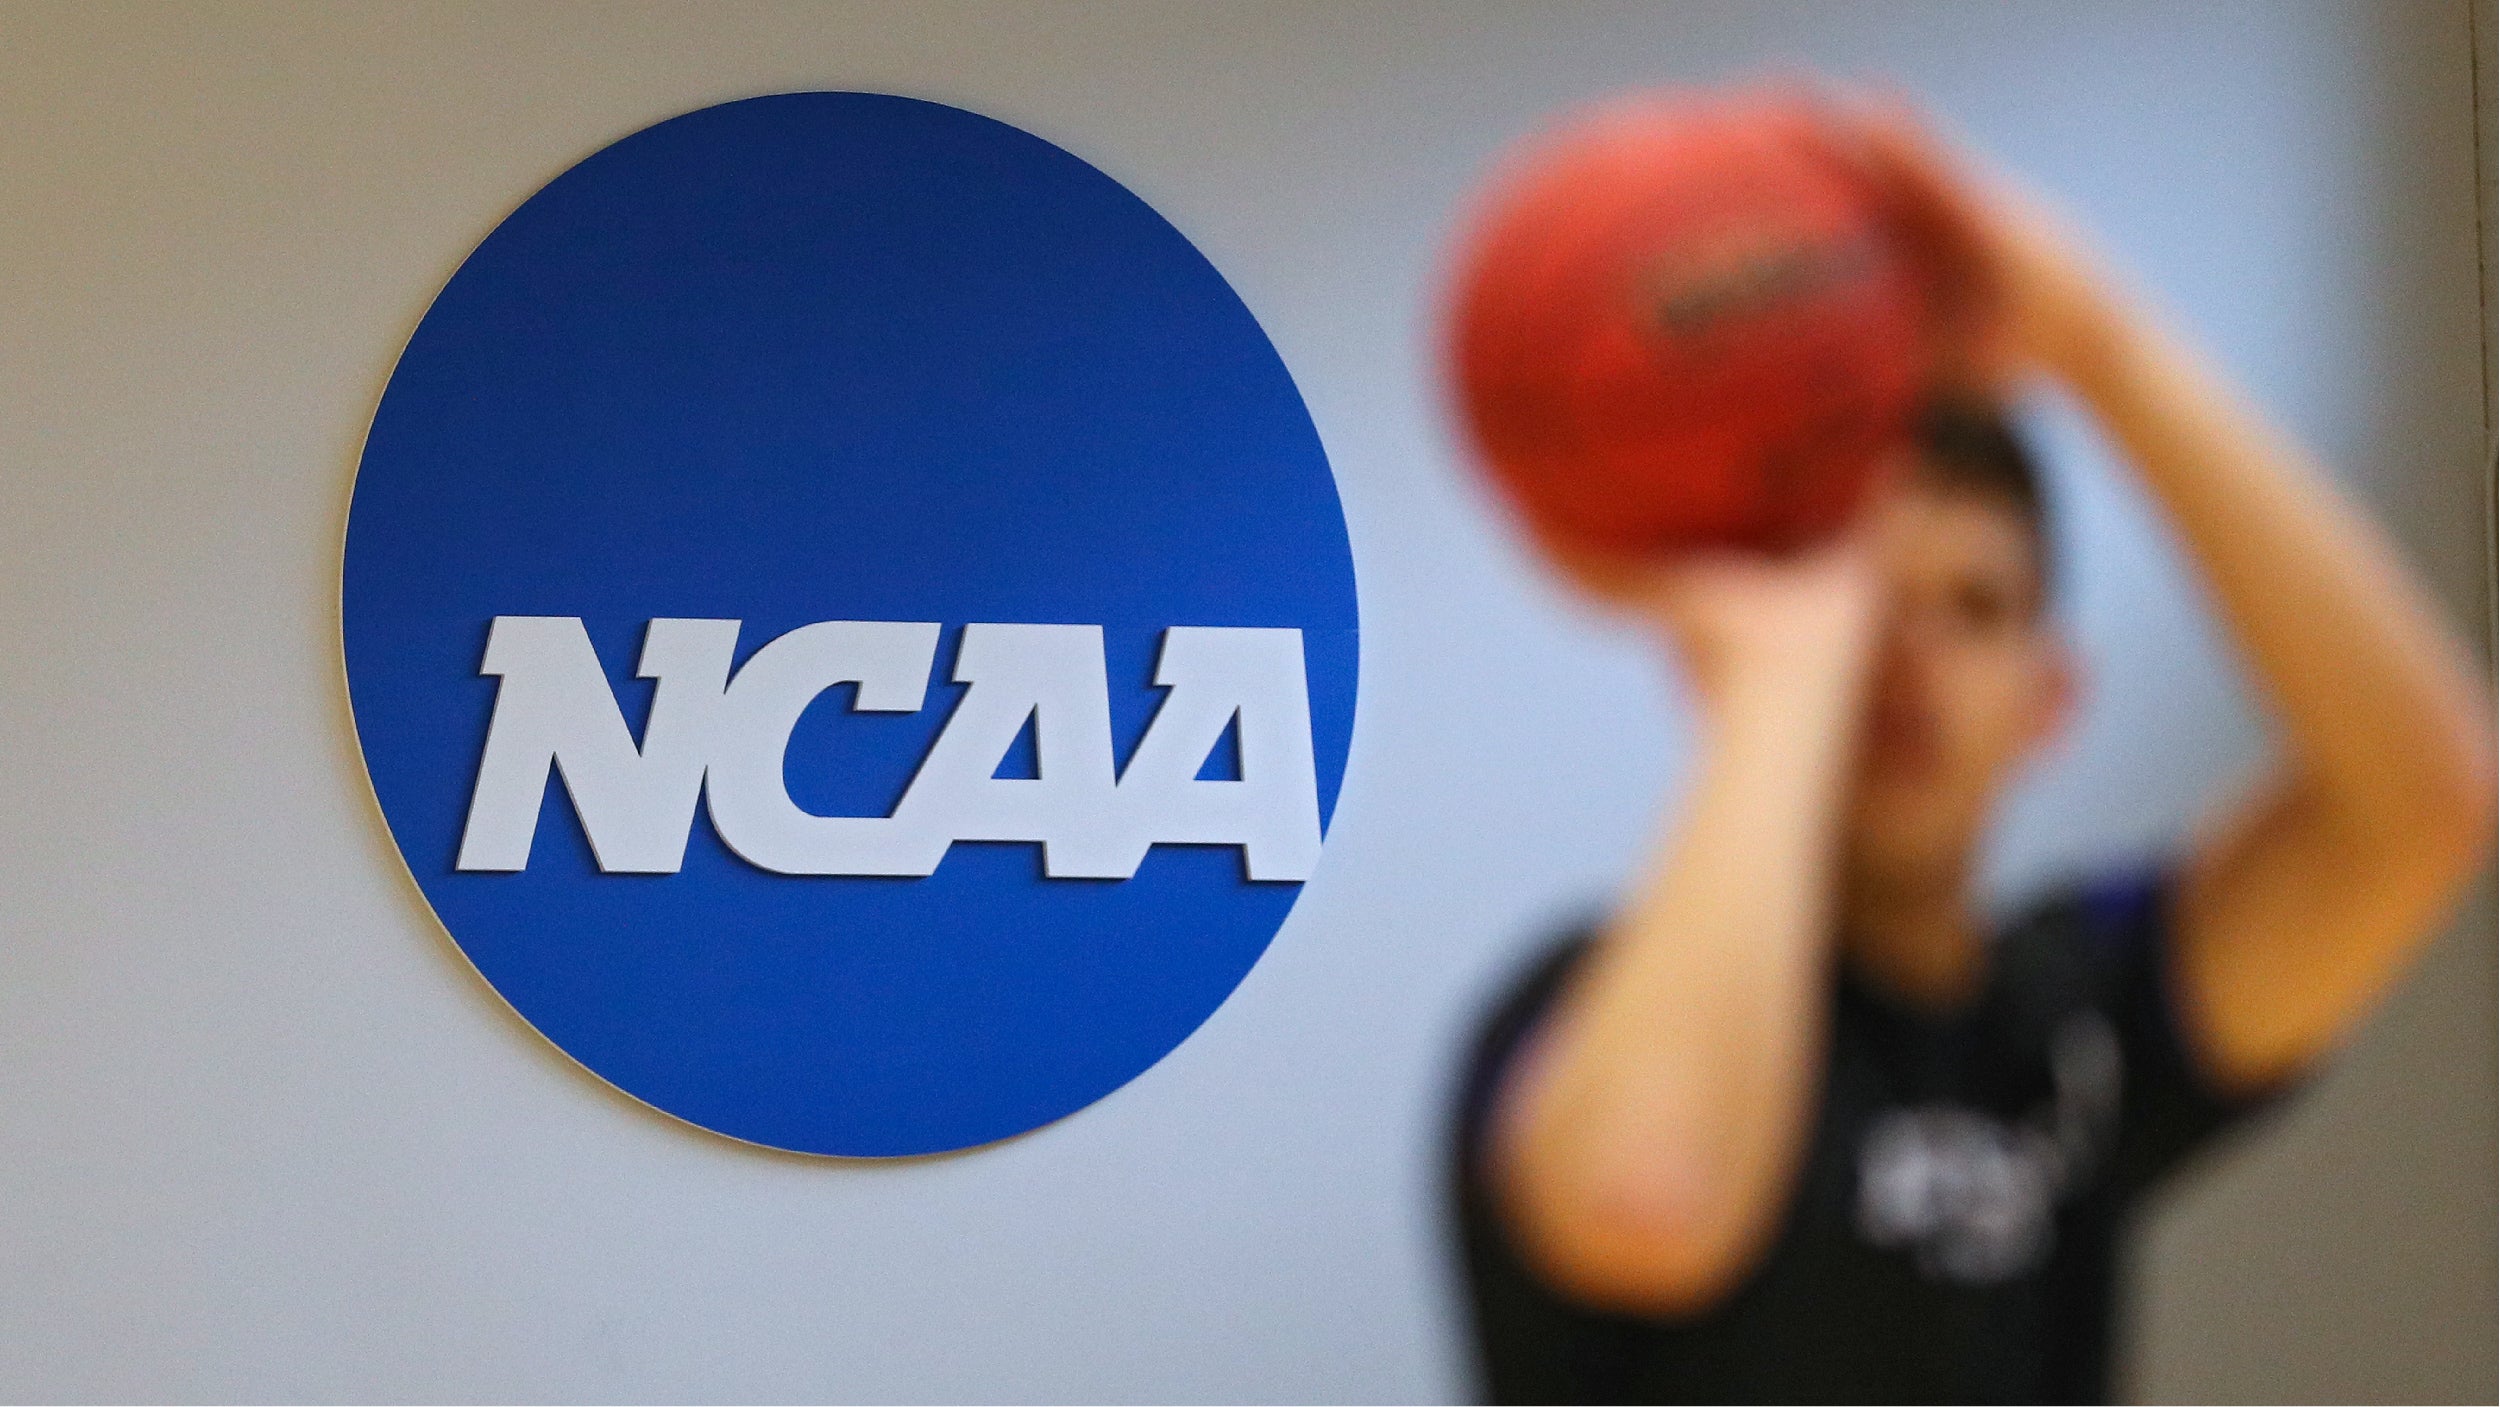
[[852, 358]]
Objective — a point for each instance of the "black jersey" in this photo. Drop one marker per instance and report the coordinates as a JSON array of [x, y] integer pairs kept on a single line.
[[1953, 1232]]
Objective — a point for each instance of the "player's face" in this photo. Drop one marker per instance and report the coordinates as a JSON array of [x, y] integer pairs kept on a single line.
[[1970, 681]]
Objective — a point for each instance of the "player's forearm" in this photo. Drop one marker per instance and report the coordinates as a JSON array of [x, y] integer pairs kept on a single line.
[[1654, 1127], [2383, 718]]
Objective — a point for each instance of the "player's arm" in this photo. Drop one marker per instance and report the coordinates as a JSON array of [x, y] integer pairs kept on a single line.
[[2300, 904], [1648, 1132]]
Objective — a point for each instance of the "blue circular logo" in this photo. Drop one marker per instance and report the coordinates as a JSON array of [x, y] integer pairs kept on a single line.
[[850, 624]]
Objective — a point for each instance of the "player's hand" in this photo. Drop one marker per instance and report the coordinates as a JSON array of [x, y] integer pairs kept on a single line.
[[1741, 623], [2018, 292]]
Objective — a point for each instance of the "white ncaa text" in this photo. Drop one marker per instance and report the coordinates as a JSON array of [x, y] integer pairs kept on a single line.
[[722, 738]]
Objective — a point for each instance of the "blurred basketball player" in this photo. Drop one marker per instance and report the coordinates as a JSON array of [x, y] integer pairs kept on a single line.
[[1791, 1124]]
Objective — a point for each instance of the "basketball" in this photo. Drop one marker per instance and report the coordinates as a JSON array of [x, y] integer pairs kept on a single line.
[[1683, 321]]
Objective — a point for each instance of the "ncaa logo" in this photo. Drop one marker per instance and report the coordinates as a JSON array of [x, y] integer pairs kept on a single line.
[[850, 624]]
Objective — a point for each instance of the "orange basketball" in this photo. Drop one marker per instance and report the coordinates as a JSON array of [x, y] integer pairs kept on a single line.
[[1684, 320]]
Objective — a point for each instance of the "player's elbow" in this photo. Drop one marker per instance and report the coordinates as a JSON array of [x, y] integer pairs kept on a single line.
[[2477, 781], [2416, 830], [2452, 809], [1657, 1236]]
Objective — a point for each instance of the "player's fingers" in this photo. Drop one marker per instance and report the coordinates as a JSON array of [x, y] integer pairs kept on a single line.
[[1882, 139], [1932, 191]]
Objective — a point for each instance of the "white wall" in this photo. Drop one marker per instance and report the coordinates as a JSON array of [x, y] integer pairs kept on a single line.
[[261, 1133]]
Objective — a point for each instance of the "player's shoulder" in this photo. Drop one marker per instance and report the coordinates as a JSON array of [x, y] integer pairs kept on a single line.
[[1522, 996], [1506, 1017]]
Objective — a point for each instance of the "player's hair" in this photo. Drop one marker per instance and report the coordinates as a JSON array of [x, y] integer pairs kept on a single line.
[[1969, 447]]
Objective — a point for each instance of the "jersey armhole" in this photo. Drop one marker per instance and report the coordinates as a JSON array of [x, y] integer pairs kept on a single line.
[[2174, 1105], [2173, 1010]]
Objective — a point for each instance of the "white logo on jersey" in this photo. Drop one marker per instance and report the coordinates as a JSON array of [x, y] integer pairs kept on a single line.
[[1975, 1197]]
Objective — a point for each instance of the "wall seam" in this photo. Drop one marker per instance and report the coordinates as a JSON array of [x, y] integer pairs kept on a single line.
[[2478, 28]]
